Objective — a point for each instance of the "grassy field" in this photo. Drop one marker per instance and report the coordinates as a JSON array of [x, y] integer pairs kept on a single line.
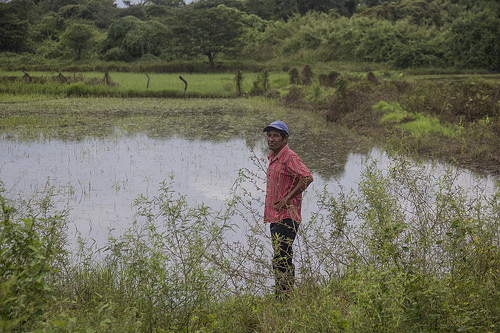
[[134, 84]]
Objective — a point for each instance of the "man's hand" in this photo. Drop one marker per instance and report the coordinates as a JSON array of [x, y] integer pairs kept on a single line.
[[301, 187], [281, 204]]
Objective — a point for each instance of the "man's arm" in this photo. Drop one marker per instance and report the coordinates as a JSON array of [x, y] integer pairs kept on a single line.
[[299, 188]]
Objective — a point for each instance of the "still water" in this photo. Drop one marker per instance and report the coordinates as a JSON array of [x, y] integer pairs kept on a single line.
[[99, 178]]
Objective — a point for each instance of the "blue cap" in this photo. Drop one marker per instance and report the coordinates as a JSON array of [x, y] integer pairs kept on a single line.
[[278, 124]]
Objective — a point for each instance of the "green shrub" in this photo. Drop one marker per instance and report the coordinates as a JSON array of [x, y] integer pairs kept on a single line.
[[31, 252], [469, 99], [116, 54], [407, 247], [77, 89], [159, 266]]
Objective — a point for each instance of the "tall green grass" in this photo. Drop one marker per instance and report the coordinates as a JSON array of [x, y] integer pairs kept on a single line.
[[133, 84], [402, 253], [415, 124]]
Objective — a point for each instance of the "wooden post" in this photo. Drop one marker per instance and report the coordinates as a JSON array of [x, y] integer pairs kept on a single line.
[[238, 79], [62, 78], [107, 79], [185, 83], [27, 77]]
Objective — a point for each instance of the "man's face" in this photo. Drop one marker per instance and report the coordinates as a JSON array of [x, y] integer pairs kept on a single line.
[[275, 141]]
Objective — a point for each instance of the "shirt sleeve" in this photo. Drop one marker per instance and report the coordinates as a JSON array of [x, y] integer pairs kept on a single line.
[[297, 167]]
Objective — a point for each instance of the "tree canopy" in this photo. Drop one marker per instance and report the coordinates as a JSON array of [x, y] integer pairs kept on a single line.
[[208, 31], [14, 25], [404, 33]]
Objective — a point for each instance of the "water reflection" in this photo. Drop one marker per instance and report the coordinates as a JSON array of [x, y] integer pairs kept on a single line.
[[99, 178], [324, 146], [103, 177]]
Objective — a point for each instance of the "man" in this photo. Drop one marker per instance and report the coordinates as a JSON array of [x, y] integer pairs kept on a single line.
[[287, 178]]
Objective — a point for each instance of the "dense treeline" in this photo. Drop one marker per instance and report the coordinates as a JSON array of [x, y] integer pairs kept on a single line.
[[403, 34]]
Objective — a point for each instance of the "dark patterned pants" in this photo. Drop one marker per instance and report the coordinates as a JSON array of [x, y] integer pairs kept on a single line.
[[283, 234]]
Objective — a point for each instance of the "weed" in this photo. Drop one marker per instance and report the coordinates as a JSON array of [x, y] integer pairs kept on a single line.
[[403, 252], [31, 255]]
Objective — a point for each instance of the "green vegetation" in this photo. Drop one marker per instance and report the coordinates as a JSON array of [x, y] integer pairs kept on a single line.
[[127, 84], [402, 253], [415, 125], [433, 265], [452, 119], [250, 35]]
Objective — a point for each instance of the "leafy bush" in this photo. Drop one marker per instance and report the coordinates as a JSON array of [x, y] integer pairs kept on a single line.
[[49, 49], [160, 266], [31, 252], [474, 41], [471, 99], [406, 247], [116, 54]]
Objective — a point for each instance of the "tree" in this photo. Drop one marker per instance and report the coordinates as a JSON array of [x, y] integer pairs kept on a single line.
[[49, 27], [474, 41], [208, 31], [344, 7], [146, 38], [167, 3], [138, 11], [284, 9], [420, 12], [205, 4], [118, 30], [261, 8], [130, 38], [14, 25], [46, 6], [104, 12], [77, 38], [373, 3]]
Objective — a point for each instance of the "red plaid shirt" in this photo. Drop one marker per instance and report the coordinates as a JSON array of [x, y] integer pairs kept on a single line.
[[283, 174]]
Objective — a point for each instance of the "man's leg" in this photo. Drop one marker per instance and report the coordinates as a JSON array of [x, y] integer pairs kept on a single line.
[[283, 234]]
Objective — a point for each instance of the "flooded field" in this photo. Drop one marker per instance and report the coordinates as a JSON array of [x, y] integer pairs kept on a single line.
[[108, 162]]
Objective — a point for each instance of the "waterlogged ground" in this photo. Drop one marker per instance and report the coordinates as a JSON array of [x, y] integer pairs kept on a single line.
[[100, 155]]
